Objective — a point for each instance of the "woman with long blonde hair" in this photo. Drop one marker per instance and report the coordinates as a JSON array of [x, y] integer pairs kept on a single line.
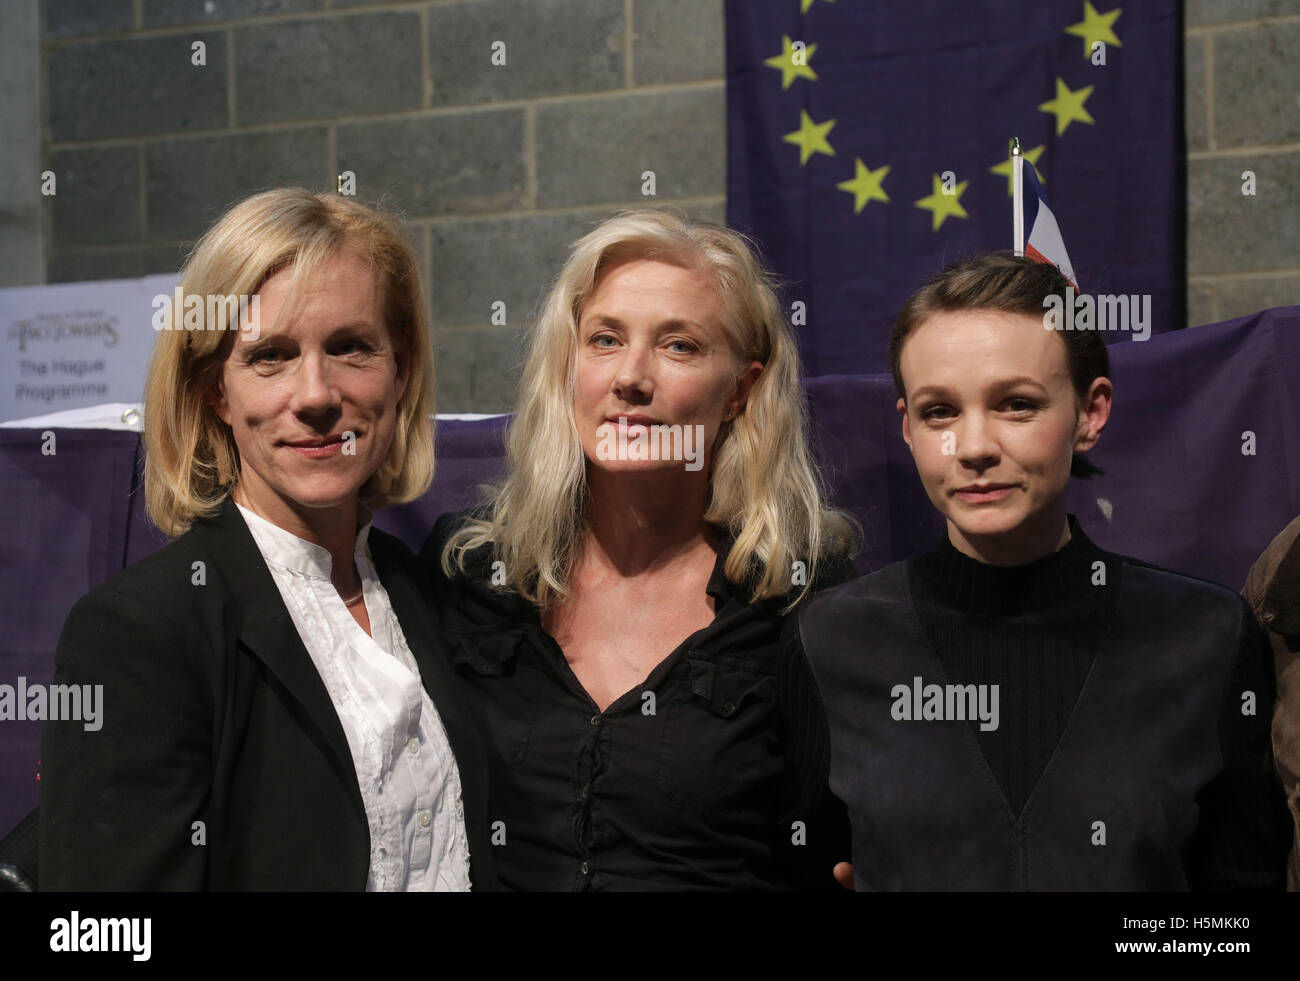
[[615, 611]]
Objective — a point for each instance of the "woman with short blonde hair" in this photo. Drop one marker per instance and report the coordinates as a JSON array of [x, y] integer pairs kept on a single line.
[[191, 459], [616, 609], [278, 709]]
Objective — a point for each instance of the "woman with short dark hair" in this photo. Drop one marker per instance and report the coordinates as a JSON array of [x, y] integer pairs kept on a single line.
[[1020, 709]]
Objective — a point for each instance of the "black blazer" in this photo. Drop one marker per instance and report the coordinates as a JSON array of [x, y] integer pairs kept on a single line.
[[221, 762]]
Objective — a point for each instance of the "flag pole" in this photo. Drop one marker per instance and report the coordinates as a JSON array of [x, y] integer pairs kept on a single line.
[[1017, 198]]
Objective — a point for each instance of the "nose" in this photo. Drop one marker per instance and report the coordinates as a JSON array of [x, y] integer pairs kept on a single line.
[[633, 378], [977, 445], [316, 391]]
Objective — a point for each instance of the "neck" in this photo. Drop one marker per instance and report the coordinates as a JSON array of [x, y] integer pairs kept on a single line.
[[333, 529], [638, 522], [1037, 537]]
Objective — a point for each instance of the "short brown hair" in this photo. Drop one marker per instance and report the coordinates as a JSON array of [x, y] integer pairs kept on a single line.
[[1009, 283]]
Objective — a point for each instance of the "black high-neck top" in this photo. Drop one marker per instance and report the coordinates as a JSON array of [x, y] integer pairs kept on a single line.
[[1033, 630]]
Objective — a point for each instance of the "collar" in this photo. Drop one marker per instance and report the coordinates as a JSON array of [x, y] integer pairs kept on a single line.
[[297, 554], [719, 586], [968, 584]]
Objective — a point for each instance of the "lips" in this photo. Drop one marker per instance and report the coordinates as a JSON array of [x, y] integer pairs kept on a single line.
[[631, 420], [317, 447], [984, 493]]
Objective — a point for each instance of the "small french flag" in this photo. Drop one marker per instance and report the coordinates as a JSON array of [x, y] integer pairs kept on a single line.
[[1037, 235]]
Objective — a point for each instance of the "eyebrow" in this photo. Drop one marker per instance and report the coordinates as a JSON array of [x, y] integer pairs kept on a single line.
[[675, 323], [940, 391], [267, 334]]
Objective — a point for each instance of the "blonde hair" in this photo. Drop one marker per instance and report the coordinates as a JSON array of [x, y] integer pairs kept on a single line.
[[763, 487], [191, 460]]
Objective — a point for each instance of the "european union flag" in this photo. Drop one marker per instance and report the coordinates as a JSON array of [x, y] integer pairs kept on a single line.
[[868, 145]]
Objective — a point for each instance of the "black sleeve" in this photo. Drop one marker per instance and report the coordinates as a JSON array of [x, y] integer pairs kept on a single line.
[[1244, 834], [807, 851], [120, 793]]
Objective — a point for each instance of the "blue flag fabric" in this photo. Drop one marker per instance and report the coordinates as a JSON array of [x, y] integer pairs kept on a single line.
[[867, 145]]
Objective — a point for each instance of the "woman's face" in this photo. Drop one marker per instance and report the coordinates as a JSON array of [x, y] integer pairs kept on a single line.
[[992, 420], [312, 402], [652, 350]]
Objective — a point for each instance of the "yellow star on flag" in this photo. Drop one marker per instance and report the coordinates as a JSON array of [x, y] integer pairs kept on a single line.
[[810, 137], [1067, 107], [1004, 169], [791, 69], [803, 9], [942, 204], [865, 185], [1095, 27]]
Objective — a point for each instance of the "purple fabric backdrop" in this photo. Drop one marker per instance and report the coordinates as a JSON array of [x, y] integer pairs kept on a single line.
[[1178, 489]]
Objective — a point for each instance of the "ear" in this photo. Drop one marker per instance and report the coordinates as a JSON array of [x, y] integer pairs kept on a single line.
[[217, 397], [740, 395], [907, 428], [1094, 413]]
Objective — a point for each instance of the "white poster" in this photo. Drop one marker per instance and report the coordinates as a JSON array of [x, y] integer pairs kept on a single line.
[[72, 345]]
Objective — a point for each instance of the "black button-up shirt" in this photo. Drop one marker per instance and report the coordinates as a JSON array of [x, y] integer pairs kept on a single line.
[[711, 774]]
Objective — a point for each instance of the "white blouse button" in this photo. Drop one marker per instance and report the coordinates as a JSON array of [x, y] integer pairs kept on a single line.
[[413, 746]]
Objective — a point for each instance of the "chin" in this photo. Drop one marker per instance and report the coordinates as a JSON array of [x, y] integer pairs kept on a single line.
[[633, 467], [317, 497], [989, 522]]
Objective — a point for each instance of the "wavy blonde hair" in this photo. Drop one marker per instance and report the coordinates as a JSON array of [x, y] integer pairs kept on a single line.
[[763, 487], [191, 461]]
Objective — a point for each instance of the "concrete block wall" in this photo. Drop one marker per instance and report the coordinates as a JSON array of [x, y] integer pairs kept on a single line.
[[1243, 121], [496, 168]]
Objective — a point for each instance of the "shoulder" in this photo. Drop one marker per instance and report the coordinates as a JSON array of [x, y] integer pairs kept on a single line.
[[1153, 583], [1273, 583], [155, 582], [444, 528], [391, 553], [149, 618], [858, 591]]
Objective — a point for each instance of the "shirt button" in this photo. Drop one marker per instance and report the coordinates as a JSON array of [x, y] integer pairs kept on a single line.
[[586, 791], [413, 746], [425, 819], [595, 720], [585, 868], [729, 707]]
